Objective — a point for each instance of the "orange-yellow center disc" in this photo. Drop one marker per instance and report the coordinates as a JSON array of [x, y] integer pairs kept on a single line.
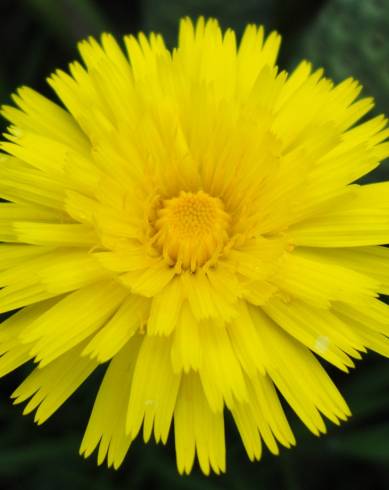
[[191, 228]]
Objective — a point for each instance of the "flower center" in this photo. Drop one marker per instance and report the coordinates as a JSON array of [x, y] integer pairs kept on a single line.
[[191, 229]]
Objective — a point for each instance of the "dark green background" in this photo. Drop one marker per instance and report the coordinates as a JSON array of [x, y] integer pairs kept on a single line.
[[346, 37]]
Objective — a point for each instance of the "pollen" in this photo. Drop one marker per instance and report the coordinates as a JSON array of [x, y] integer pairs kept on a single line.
[[191, 229]]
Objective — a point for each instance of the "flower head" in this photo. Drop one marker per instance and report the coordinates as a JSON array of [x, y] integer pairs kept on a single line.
[[190, 219]]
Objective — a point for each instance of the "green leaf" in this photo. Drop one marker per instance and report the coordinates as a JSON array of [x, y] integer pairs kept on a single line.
[[70, 20], [367, 390], [370, 444]]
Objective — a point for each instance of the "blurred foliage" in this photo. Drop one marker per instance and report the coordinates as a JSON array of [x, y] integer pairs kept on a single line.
[[347, 37], [351, 37], [156, 17]]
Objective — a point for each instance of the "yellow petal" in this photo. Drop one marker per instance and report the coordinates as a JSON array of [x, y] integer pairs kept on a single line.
[[320, 330], [295, 372], [361, 220], [153, 391], [86, 310], [220, 371], [106, 426], [197, 427], [165, 309], [49, 387], [307, 275], [123, 325], [186, 353]]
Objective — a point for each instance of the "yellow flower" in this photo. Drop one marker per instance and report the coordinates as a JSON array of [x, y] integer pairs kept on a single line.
[[190, 219]]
